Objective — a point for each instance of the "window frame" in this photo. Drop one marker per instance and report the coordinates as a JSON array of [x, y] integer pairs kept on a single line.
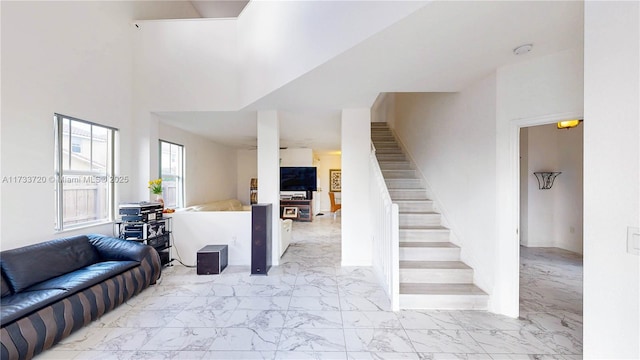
[[105, 177], [180, 201]]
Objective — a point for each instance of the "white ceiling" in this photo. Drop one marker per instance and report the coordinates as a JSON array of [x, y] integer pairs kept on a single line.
[[219, 8], [443, 47]]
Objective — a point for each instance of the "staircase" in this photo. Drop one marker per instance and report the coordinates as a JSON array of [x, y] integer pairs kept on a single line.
[[431, 273]]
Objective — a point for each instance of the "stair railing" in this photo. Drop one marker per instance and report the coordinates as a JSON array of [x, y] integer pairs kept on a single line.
[[385, 232]]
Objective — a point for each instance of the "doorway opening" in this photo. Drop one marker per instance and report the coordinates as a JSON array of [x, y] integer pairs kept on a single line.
[[551, 241]]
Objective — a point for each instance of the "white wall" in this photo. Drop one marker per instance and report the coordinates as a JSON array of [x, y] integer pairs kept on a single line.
[[357, 247], [543, 156], [210, 168], [384, 109], [569, 206], [296, 157], [194, 230], [451, 138], [540, 88], [554, 216], [611, 180], [73, 58], [186, 65], [247, 164]]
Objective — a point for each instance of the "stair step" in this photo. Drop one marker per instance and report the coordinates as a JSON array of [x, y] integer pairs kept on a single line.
[[380, 132], [435, 272], [408, 194], [409, 219], [391, 157], [404, 184], [431, 275], [387, 143], [429, 251], [399, 174], [424, 234], [427, 244], [415, 206], [389, 151], [442, 296], [394, 165], [383, 138], [440, 289], [434, 265], [381, 147]]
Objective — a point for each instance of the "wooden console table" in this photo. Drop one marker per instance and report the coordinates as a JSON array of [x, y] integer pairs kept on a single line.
[[305, 209]]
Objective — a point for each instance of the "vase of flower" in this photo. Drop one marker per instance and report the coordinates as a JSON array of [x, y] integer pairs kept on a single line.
[[160, 200], [156, 188]]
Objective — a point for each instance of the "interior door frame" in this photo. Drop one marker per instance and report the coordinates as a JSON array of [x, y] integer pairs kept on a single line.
[[512, 244]]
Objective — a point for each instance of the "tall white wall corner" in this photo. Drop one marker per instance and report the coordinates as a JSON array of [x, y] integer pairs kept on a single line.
[[269, 172], [383, 109], [356, 144], [611, 179]]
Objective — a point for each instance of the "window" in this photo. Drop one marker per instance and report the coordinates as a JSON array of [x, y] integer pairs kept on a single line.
[[172, 174], [76, 145], [84, 172]]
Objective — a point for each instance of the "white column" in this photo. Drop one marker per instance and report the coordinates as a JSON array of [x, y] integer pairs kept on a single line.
[[269, 172], [356, 146]]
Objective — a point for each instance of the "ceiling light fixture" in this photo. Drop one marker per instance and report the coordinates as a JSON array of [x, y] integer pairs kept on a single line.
[[568, 124], [523, 49]]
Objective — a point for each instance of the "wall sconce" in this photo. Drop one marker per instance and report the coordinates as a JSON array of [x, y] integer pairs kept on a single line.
[[568, 124], [545, 179]]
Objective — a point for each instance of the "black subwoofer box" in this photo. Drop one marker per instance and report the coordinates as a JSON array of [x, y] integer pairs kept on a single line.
[[212, 259]]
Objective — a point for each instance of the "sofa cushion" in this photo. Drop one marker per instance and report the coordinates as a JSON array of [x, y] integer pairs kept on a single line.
[[4, 285], [111, 248], [32, 264], [84, 278], [221, 205], [18, 305]]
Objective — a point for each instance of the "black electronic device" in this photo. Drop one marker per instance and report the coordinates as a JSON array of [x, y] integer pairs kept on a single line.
[[140, 211], [143, 230], [131, 218], [212, 259], [261, 238], [298, 179]]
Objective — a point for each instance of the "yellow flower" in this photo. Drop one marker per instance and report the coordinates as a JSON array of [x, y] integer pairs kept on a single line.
[[155, 186]]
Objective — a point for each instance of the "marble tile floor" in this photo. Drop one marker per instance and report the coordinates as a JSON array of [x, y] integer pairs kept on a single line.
[[310, 307]]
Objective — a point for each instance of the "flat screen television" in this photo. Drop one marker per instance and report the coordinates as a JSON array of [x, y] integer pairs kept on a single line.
[[298, 179]]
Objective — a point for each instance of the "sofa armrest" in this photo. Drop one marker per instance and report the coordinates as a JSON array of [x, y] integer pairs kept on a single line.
[[118, 249]]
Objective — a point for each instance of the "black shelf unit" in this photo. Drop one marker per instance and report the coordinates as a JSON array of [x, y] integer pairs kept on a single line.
[[156, 233]]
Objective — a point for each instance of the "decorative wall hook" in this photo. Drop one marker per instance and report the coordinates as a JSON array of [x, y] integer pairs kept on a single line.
[[546, 178]]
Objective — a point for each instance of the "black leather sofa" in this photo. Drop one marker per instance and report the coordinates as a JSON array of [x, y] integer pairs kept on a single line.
[[53, 288]]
